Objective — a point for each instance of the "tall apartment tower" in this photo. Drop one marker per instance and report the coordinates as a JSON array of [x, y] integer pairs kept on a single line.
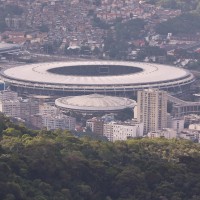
[[152, 109]]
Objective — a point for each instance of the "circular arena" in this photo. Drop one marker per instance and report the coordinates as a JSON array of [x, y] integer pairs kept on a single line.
[[89, 77], [94, 103]]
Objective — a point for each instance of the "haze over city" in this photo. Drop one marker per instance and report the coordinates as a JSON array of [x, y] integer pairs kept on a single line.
[[99, 100]]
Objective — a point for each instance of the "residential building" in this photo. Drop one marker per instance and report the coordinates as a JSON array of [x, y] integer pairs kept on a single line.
[[194, 127], [122, 130], [193, 135], [61, 121], [192, 119], [46, 109], [108, 130], [36, 121], [10, 108], [28, 107], [96, 125], [165, 132], [8, 95], [175, 123], [152, 109], [9, 103]]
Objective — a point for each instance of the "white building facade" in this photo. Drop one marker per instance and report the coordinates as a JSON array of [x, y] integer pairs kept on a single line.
[[122, 130], [9, 103], [152, 109], [165, 132], [8, 95], [10, 108], [176, 124], [63, 122], [108, 130], [194, 127], [47, 109]]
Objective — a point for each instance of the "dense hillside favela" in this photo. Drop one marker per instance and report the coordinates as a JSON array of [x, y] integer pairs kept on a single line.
[[151, 30], [99, 100]]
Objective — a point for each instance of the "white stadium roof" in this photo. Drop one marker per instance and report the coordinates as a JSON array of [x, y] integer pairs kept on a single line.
[[151, 73], [37, 77], [95, 102]]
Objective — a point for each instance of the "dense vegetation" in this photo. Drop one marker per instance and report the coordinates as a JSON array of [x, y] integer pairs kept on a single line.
[[186, 23], [150, 51], [184, 5], [47, 165], [8, 10], [183, 24], [117, 44]]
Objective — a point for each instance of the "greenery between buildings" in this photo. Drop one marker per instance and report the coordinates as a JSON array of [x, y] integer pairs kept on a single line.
[[183, 24]]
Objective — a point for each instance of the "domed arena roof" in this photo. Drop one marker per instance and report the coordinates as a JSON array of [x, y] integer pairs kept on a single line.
[[95, 102]]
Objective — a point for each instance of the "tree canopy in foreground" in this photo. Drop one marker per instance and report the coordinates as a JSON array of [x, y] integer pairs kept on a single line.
[[46, 165]]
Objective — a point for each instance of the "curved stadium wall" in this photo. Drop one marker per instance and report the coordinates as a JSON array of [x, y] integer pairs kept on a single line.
[[101, 77]]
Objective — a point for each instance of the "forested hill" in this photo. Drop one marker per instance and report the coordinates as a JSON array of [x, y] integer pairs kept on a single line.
[[184, 5], [48, 165]]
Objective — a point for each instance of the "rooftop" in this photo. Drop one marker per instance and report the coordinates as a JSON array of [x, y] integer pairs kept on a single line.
[[95, 102], [150, 73]]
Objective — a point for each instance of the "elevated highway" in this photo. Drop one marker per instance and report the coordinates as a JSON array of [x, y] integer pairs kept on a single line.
[[181, 107]]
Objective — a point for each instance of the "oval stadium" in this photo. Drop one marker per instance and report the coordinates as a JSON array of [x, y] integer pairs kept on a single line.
[[95, 77]]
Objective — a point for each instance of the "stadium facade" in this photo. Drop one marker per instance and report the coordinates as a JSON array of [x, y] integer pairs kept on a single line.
[[6, 48], [95, 77]]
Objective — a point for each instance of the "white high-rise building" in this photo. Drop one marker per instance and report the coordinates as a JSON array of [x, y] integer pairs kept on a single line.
[[8, 95], [122, 130], [61, 121], [47, 109], [28, 107], [10, 108], [9, 103], [152, 109], [108, 130]]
